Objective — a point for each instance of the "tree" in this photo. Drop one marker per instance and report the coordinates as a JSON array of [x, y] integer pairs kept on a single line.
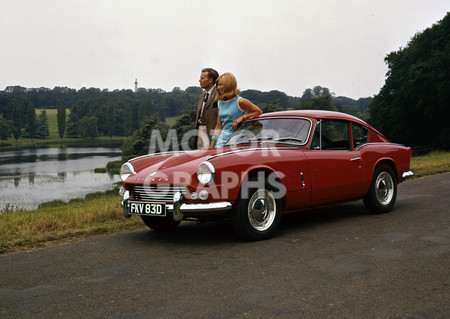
[[61, 119], [413, 105], [42, 130], [273, 107], [323, 102], [5, 129], [317, 90], [307, 95], [72, 128], [184, 125], [31, 126], [318, 98], [88, 127], [17, 122], [138, 144], [127, 124]]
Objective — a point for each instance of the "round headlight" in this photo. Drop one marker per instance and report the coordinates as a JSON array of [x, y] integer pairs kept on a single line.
[[126, 170], [206, 173], [203, 194], [194, 196]]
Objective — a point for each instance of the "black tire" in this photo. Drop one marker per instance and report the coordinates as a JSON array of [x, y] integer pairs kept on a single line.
[[383, 190], [160, 223], [256, 216]]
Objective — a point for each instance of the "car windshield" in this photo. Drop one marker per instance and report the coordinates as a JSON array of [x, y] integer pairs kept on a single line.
[[280, 130]]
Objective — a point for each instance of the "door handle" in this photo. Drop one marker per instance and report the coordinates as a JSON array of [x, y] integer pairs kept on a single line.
[[355, 159]]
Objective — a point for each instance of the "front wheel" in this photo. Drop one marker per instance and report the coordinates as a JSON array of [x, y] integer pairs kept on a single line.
[[258, 216], [383, 190]]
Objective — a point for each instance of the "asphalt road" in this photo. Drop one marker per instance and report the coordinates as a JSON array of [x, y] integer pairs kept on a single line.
[[338, 262]]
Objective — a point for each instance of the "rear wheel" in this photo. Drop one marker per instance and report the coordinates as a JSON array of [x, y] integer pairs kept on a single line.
[[383, 190], [160, 223], [257, 216]]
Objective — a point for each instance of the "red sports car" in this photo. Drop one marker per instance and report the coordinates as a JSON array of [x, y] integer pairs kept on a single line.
[[278, 163]]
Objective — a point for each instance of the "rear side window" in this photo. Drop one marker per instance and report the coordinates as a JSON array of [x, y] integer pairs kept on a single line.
[[360, 135]]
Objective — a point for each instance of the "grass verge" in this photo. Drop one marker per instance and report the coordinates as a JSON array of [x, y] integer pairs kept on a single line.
[[101, 213], [98, 213], [436, 162]]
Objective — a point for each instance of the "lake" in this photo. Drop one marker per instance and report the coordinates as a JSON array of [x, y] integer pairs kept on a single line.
[[33, 176]]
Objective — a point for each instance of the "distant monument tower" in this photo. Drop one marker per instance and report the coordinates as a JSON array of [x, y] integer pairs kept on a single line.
[[135, 86]]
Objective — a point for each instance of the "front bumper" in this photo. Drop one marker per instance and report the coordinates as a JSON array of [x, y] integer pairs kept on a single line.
[[179, 207]]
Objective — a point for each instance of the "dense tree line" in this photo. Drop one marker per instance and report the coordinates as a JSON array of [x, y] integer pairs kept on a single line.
[[18, 118], [413, 105], [320, 98], [174, 102], [272, 97], [95, 112]]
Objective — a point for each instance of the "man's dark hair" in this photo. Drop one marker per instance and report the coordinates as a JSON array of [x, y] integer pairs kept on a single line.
[[211, 74]]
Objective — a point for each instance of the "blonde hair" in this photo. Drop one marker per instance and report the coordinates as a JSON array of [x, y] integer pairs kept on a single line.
[[230, 87]]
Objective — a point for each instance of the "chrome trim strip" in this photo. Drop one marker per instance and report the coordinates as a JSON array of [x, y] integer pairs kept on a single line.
[[254, 149], [210, 207], [408, 174]]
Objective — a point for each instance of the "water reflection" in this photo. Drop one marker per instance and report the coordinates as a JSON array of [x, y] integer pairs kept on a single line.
[[31, 177], [62, 175], [61, 156]]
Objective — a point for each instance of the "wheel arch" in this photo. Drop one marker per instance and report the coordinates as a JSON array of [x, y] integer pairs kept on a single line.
[[252, 174], [389, 162]]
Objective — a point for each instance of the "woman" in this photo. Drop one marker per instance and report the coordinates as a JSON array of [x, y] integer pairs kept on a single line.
[[233, 109]]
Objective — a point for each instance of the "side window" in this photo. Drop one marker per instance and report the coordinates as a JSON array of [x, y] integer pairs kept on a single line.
[[360, 134], [331, 135]]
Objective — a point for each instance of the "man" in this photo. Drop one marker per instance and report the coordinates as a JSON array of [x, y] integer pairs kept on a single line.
[[207, 110]]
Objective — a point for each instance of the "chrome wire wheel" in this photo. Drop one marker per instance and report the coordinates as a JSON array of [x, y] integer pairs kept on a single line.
[[384, 188], [262, 210]]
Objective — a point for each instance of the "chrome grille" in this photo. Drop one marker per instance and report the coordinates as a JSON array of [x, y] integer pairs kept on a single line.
[[159, 192]]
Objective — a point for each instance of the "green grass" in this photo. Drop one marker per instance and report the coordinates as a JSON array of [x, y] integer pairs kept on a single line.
[[98, 213], [52, 121], [172, 120], [433, 163]]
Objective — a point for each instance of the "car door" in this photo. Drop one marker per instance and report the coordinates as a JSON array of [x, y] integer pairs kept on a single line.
[[334, 166]]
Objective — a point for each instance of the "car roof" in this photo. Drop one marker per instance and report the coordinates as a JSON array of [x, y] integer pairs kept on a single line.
[[316, 114]]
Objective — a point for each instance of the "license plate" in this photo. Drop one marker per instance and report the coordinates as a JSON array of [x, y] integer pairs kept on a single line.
[[151, 209]]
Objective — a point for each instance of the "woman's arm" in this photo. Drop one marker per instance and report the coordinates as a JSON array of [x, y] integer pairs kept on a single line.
[[248, 106], [217, 131]]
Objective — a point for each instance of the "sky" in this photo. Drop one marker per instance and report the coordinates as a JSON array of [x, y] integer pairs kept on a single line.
[[285, 45]]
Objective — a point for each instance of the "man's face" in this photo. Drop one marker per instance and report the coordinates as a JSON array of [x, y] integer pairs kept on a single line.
[[205, 82]]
